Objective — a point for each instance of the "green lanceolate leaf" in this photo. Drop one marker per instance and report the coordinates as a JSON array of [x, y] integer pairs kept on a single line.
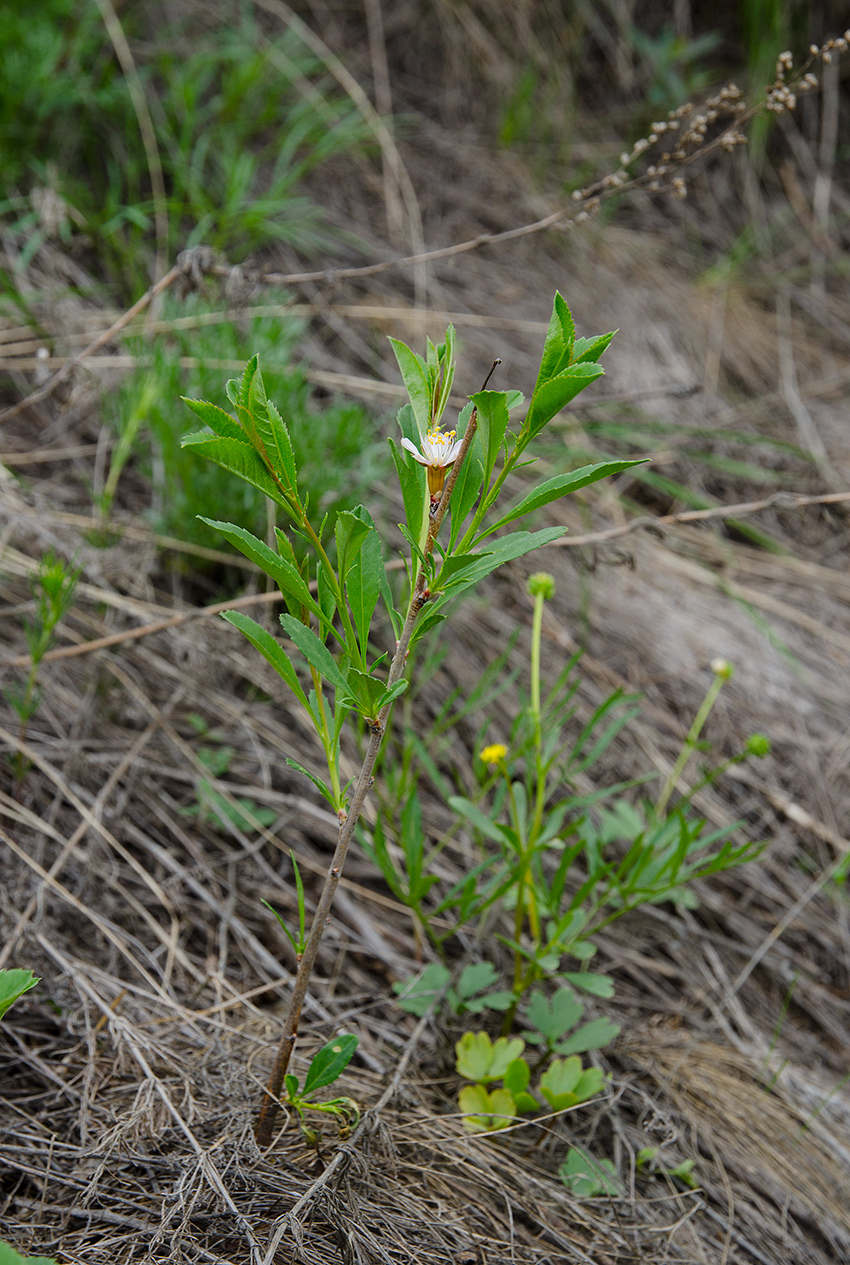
[[447, 363], [414, 374], [271, 650], [365, 580], [350, 531], [327, 600], [315, 652], [317, 782], [473, 814], [561, 485], [411, 477], [470, 478], [241, 460], [555, 394], [492, 423], [285, 575], [587, 349], [330, 1062], [13, 984], [221, 423], [560, 339], [506, 549]]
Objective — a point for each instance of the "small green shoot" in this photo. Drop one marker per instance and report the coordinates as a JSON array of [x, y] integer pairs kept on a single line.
[[327, 1066], [586, 1177], [13, 984], [52, 586]]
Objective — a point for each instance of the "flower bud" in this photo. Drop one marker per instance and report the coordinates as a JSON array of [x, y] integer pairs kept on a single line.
[[542, 583]]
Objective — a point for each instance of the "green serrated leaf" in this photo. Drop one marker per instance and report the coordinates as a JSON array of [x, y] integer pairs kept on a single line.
[[590, 349], [498, 552], [271, 650], [283, 443], [239, 459], [315, 652], [221, 423], [562, 485], [558, 347], [285, 575], [330, 1062], [556, 393], [414, 374]]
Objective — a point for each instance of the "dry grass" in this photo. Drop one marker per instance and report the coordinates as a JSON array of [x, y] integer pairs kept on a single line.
[[129, 1078]]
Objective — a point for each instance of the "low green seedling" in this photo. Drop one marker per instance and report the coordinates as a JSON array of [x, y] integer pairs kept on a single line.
[[488, 1107], [243, 813], [647, 1161], [472, 994], [8, 1256], [552, 1018], [13, 984], [326, 1067], [586, 1177], [52, 586]]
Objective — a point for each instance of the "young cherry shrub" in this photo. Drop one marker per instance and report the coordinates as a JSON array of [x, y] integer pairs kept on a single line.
[[331, 604]]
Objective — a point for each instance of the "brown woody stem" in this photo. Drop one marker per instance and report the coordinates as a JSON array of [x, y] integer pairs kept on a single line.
[[268, 1110]]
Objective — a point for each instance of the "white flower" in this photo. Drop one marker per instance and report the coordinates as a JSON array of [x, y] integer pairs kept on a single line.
[[439, 453]]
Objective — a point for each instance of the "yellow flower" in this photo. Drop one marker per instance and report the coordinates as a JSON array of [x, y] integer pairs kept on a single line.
[[494, 753]]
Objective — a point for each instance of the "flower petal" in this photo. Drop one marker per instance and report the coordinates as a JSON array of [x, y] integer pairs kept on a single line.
[[414, 452]]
